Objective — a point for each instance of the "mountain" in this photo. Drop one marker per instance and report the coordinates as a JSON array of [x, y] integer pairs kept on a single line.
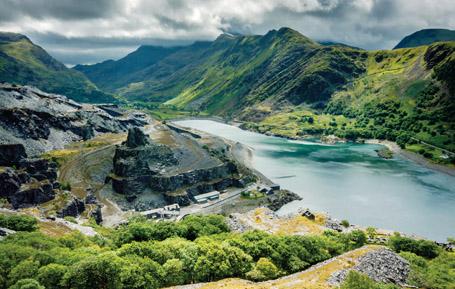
[[22, 62], [426, 37], [234, 71], [112, 74], [277, 81]]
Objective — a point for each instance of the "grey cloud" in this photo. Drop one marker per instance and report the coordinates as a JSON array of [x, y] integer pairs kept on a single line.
[[93, 30], [60, 9]]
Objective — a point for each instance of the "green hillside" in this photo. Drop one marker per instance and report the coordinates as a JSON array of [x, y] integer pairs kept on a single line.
[[22, 62], [111, 74], [234, 72], [426, 37], [405, 95]]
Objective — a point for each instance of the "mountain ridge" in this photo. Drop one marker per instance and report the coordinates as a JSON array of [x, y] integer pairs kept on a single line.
[[25, 63], [426, 37]]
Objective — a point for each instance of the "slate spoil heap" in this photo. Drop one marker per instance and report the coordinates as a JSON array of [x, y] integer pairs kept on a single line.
[[381, 265]]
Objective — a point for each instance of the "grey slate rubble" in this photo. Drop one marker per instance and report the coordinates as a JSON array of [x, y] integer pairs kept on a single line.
[[381, 265], [42, 121]]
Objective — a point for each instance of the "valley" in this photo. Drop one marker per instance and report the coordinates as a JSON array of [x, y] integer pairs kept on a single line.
[[249, 161]]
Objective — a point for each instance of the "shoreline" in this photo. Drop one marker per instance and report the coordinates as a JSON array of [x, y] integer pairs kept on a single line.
[[410, 156]]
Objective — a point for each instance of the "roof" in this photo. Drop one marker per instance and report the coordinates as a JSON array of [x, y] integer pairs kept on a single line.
[[207, 195]]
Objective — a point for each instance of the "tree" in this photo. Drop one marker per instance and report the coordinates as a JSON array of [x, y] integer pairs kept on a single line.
[[101, 272], [141, 273], [27, 284], [174, 272], [263, 270], [51, 275]]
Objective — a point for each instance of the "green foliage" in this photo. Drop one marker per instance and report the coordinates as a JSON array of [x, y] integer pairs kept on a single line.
[[264, 269], [65, 186], [438, 273], [70, 219], [18, 222], [190, 228], [22, 62], [196, 249], [51, 275], [355, 280], [102, 271], [424, 248], [27, 284], [345, 223], [23, 270]]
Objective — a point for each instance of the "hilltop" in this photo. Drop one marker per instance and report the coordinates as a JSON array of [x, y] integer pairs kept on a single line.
[[25, 63], [426, 37]]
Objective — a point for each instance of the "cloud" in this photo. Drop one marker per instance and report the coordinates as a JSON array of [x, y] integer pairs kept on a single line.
[[92, 30]]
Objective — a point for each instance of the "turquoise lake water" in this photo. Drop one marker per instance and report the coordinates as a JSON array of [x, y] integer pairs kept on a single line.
[[349, 181]]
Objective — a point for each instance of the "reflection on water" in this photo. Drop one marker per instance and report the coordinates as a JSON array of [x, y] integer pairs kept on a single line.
[[350, 182]]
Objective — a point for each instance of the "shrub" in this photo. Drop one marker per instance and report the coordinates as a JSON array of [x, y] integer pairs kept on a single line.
[[345, 223], [27, 284], [18, 222], [424, 248], [51, 275], [263, 270]]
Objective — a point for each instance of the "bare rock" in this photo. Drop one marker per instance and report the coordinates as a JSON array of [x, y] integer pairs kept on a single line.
[[381, 265]]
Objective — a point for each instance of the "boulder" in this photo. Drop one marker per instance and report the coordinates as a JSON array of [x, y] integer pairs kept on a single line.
[[9, 182], [276, 201], [11, 154], [32, 194], [74, 207]]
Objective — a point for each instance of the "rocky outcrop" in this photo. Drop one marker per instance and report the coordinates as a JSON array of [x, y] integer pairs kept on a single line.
[[11, 154], [281, 198], [171, 183], [137, 160], [381, 265], [73, 208], [42, 121], [25, 182]]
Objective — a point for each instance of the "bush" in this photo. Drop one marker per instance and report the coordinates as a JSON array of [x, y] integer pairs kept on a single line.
[[424, 248], [51, 275], [18, 222], [263, 270], [345, 223], [27, 284]]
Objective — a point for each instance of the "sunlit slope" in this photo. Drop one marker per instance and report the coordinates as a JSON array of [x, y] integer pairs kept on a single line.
[[22, 62]]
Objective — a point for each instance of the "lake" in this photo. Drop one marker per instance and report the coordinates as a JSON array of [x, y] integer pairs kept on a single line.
[[349, 181]]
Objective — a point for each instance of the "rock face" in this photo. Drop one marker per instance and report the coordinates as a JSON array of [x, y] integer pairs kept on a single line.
[[25, 182], [381, 265], [137, 160], [140, 165], [74, 207], [11, 154], [42, 121], [282, 198]]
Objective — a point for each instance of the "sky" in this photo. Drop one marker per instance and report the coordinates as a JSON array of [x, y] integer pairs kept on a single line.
[[90, 31]]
